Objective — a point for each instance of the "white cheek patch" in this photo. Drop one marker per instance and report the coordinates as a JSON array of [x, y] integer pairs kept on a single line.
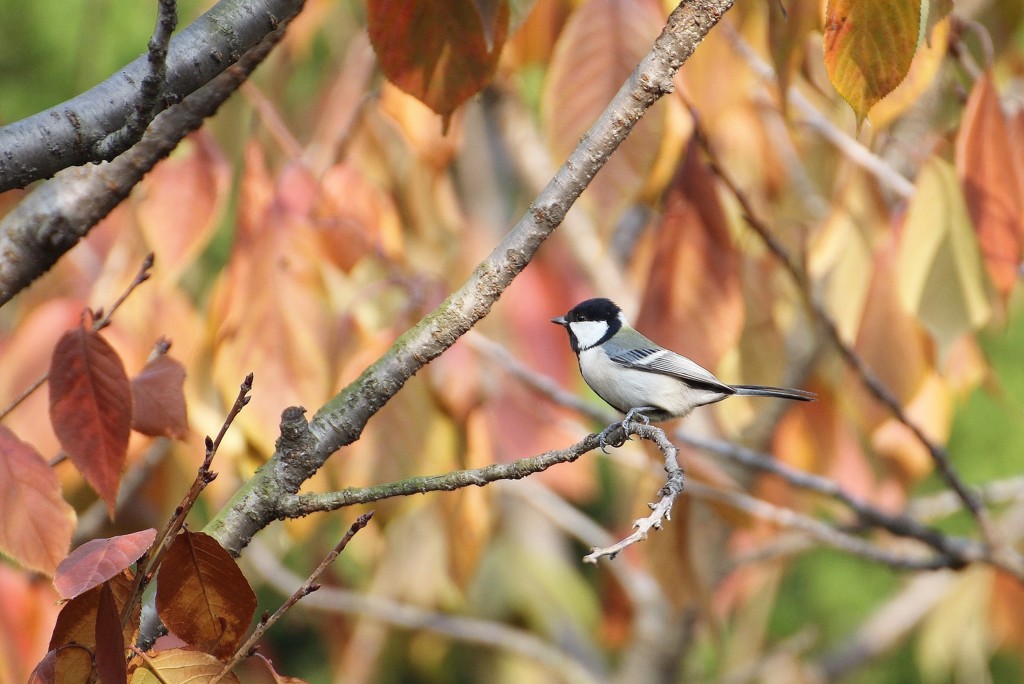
[[588, 333]]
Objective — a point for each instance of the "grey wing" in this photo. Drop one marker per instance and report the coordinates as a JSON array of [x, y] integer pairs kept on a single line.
[[667, 362]]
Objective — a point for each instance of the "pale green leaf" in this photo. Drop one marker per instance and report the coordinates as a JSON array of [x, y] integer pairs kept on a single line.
[[941, 275]]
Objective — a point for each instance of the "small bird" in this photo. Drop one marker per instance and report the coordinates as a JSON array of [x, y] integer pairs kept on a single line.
[[639, 377]]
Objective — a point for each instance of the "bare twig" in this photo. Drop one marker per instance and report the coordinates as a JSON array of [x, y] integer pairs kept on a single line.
[[204, 476], [661, 510], [305, 589], [151, 88], [101, 321], [820, 531], [958, 550], [305, 504]]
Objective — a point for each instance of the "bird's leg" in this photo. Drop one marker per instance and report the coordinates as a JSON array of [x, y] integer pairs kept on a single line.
[[635, 411]]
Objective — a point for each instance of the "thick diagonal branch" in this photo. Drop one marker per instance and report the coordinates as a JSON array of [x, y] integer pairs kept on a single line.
[[342, 419]]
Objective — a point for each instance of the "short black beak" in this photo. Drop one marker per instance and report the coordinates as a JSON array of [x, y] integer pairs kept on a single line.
[[560, 320]]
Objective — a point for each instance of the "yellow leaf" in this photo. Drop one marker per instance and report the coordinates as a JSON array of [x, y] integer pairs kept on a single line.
[[940, 270], [869, 45]]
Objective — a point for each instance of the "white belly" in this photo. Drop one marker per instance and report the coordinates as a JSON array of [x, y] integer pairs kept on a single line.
[[627, 388]]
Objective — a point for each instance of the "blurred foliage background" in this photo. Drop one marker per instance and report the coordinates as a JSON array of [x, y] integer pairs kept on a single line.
[[322, 212]]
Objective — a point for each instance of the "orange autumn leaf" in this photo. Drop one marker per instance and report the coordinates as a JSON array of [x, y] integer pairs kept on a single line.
[[181, 201], [985, 165], [35, 521], [600, 45], [440, 51], [180, 665], [202, 596]]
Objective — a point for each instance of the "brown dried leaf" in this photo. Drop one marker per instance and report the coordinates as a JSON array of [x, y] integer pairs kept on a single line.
[[599, 47], [91, 408], [98, 560], [202, 596], [36, 522], [987, 168], [158, 395]]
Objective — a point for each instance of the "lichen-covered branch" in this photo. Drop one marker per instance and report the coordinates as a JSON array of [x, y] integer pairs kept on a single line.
[[342, 419]]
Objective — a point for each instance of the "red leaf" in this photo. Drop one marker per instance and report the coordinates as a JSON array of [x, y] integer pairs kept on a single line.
[[96, 561], [91, 408], [110, 663], [202, 596], [438, 51], [159, 399], [35, 522]]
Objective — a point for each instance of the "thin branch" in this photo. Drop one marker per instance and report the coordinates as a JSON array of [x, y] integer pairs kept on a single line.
[[663, 508], [958, 549], [942, 504], [1001, 553], [204, 476], [150, 90], [305, 589], [305, 504], [98, 324], [820, 531], [343, 418]]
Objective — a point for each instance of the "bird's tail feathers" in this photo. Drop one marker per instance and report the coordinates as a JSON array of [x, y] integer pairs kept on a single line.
[[780, 392]]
